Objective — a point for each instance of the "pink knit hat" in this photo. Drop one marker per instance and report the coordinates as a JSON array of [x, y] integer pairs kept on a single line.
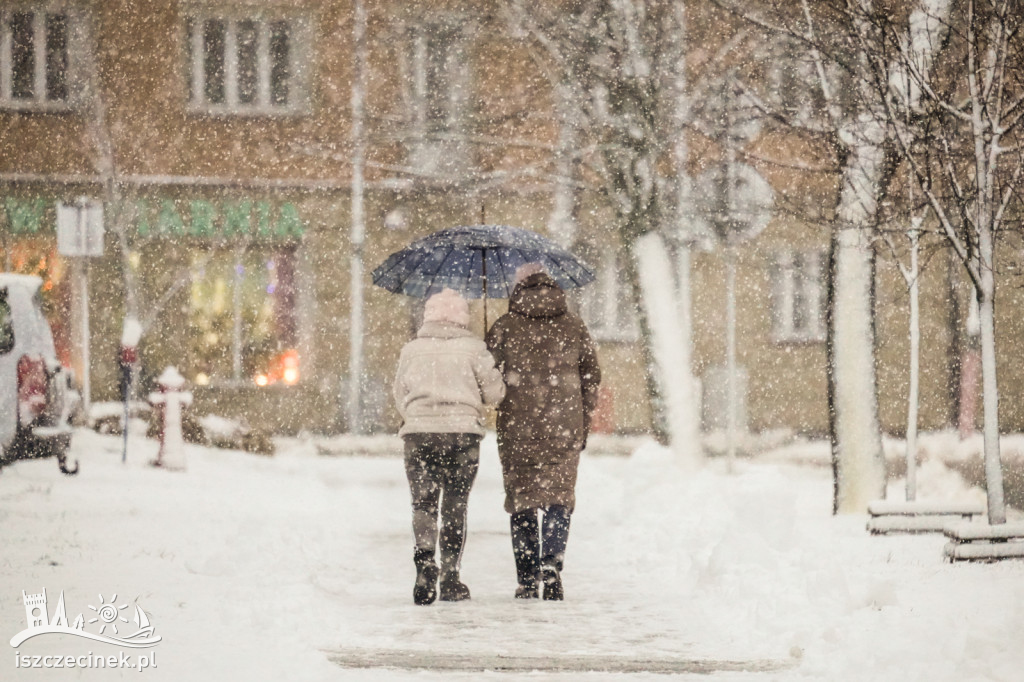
[[447, 306], [527, 269]]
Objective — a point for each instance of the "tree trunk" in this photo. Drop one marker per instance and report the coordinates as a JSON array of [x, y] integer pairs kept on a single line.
[[990, 392], [671, 380], [956, 344], [684, 352], [566, 200], [915, 362], [857, 459]]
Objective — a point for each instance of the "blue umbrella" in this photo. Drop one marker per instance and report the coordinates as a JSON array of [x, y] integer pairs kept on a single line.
[[478, 261]]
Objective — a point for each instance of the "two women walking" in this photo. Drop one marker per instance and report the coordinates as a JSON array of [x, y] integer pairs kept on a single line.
[[542, 373]]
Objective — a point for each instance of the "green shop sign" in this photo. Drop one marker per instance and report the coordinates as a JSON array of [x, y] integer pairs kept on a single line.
[[25, 216], [220, 220], [226, 220]]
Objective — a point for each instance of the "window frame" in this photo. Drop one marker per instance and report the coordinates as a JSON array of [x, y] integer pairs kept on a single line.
[[299, 61], [789, 285], [432, 109], [75, 55], [613, 321], [431, 134]]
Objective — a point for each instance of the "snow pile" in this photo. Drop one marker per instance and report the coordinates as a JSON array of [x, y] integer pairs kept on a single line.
[[220, 429], [251, 568], [754, 563]]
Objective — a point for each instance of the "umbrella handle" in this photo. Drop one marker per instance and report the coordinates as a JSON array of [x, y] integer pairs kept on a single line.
[[484, 298]]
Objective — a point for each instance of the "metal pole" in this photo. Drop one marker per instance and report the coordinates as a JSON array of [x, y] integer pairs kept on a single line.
[[86, 362], [127, 412], [730, 344], [84, 270], [236, 310], [484, 252], [358, 228], [730, 257]]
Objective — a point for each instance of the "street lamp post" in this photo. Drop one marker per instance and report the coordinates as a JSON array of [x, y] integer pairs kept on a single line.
[[737, 203], [80, 236]]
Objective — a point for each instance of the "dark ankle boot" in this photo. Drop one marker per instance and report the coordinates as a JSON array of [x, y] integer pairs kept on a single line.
[[551, 575], [526, 549], [453, 589], [425, 590], [527, 591]]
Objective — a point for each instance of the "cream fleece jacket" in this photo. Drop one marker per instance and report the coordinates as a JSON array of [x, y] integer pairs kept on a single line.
[[445, 380]]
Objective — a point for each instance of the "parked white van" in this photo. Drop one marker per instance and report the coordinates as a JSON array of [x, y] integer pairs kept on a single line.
[[37, 398]]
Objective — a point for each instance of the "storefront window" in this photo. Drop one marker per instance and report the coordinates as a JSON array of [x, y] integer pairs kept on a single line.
[[242, 327], [37, 255]]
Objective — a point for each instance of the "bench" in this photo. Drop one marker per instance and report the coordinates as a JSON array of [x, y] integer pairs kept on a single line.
[[891, 516], [982, 542]]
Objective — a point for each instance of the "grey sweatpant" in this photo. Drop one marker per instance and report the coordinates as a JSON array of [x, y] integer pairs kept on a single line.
[[441, 467]]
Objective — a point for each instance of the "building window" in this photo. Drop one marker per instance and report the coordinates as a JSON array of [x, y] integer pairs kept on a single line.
[[35, 57], [436, 62], [243, 323], [799, 296], [606, 305], [436, 78], [246, 64]]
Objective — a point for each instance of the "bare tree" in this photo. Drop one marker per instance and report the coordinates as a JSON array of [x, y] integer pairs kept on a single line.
[[910, 271], [839, 43], [958, 126], [618, 67]]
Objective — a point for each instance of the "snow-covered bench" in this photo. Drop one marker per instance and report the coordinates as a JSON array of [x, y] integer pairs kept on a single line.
[[892, 516], [980, 541]]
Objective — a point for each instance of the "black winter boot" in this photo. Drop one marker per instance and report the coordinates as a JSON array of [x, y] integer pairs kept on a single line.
[[453, 589], [526, 549], [555, 532], [425, 590], [551, 574], [452, 541], [528, 591]]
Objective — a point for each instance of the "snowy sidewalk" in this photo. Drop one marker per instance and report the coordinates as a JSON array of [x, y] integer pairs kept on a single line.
[[287, 567]]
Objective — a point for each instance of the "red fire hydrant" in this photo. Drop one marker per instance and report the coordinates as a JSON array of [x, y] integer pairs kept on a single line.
[[171, 399]]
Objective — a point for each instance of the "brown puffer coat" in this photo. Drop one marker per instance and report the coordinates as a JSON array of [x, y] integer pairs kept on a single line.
[[551, 374]]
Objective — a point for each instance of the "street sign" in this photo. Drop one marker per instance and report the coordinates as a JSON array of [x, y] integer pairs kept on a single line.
[[80, 228], [736, 200]]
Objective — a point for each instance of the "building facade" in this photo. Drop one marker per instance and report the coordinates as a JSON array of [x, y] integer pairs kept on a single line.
[[220, 139]]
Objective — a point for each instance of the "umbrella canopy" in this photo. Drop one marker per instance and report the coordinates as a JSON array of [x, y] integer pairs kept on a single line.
[[478, 261]]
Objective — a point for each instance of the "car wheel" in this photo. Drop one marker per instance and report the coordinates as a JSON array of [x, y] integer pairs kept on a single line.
[[27, 446]]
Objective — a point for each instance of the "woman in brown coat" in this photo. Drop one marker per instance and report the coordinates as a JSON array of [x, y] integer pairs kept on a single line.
[[551, 373]]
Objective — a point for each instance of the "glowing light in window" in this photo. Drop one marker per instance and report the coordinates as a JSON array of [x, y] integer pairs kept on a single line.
[[284, 367]]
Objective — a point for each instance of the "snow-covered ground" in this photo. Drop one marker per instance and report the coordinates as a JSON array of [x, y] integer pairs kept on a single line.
[[253, 568]]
